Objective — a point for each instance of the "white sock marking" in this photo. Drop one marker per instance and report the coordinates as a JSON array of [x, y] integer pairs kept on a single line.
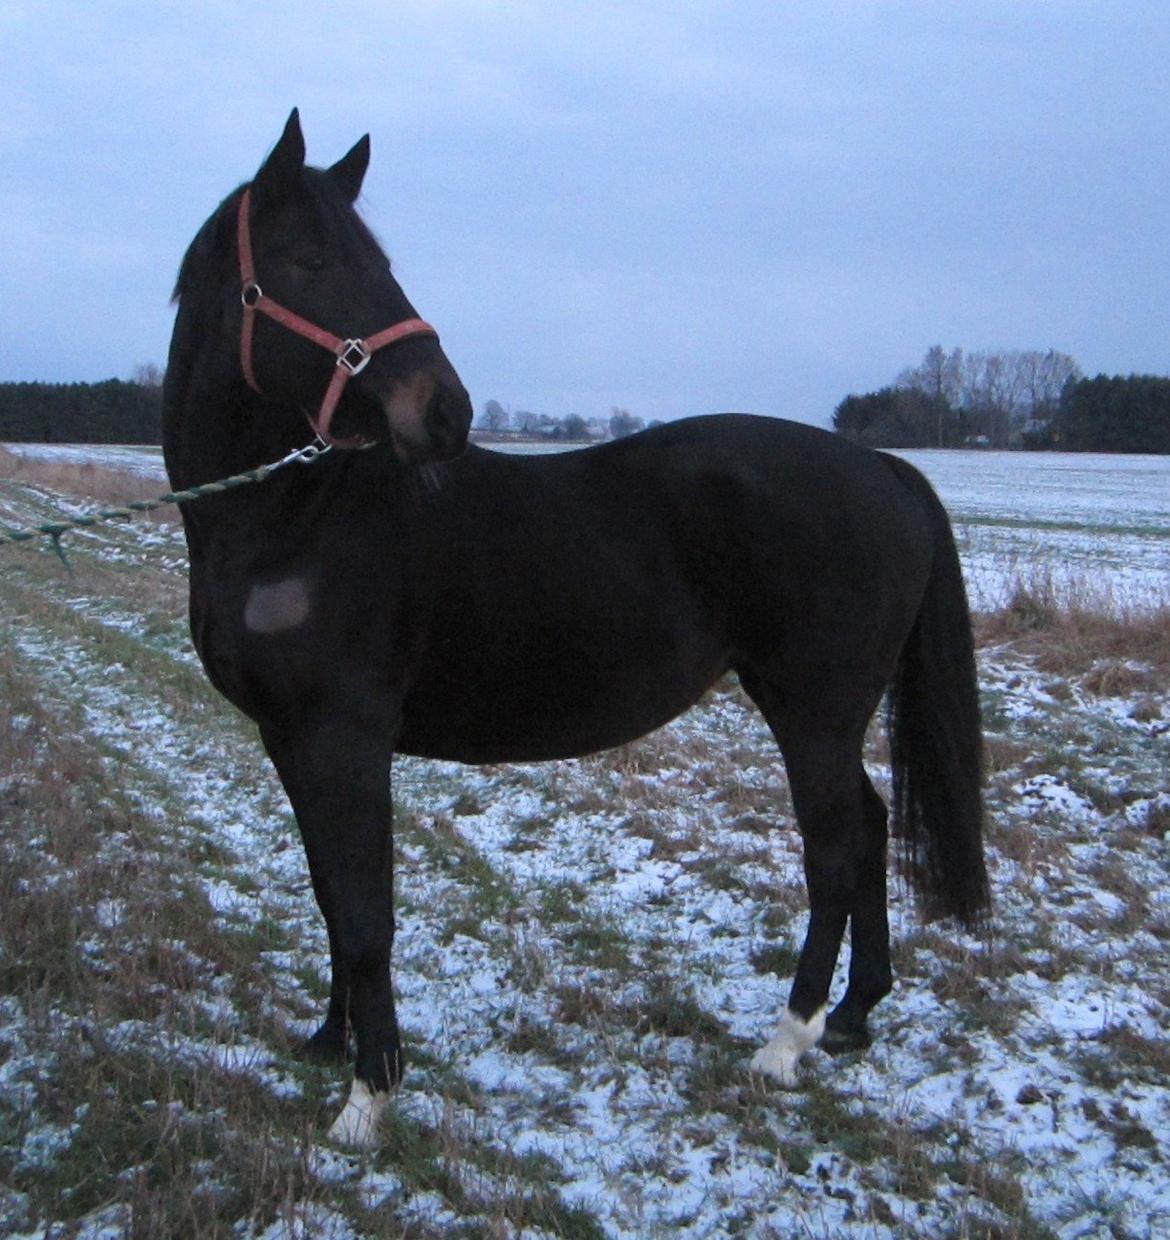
[[794, 1037], [357, 1125]]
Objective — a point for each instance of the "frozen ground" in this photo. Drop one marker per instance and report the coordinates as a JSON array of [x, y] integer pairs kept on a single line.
[[585, 954]]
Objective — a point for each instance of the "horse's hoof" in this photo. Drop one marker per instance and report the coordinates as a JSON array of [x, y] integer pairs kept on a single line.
[[327, 1045], [844, 1039]]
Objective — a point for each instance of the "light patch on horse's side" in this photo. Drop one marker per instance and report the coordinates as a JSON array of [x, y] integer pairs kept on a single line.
[[278, 607], [357, 1125], [794, 1037]]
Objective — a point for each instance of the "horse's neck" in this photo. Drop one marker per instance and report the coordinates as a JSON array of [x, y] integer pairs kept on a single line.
[[213, 425], [229, 433]]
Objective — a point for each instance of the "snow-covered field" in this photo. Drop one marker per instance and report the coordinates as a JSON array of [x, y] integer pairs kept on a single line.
[[1091, 521], [588, 952], [144, 460]]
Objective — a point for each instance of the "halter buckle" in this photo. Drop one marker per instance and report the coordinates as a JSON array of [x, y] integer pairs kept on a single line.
[[354, 357], [250, 294]]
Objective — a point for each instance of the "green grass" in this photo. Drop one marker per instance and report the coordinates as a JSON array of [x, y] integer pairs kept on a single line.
[[1077, 527]]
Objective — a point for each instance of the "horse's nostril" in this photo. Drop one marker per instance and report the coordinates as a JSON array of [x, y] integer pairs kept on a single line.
[[449, 412], [449, 416]]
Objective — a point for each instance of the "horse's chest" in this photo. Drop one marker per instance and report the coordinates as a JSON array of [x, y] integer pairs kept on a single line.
[[258, 640]]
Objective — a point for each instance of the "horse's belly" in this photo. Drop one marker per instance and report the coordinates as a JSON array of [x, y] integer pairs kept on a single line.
[[564, 713]]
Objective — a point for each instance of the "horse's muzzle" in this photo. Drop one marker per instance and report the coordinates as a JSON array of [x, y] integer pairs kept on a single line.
[[437, 431]]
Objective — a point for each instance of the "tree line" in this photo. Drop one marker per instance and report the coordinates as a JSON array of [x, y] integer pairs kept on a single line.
[[1010, 399], [112, 411], [572, 428], [1113, 414], [1015, 399]]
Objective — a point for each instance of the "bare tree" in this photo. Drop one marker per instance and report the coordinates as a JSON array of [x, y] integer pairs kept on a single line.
[[622, 423], [494, 417], [1006, 396], [939, 374], [938, 377], [148, 375], [990, 395], [1043, 376], [1004, 391], [575, 427]]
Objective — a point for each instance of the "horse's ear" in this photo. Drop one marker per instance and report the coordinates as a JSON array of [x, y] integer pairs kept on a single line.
[[350, 169], [280, 172]]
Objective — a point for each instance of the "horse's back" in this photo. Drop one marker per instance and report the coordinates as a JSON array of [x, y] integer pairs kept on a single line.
[[782, 520], [785, 465], [743, 507], [731, 465]]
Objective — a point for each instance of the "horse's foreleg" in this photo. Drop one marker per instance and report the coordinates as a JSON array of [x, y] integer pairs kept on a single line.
[[331, 1040], [338, 778]]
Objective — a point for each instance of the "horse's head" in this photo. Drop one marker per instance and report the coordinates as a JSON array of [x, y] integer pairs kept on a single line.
[[324, 327]]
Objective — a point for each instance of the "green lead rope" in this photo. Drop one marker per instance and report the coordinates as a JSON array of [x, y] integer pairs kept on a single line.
[[54, 529]]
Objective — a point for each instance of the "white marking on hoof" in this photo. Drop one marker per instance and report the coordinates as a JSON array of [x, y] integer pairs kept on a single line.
[[278, 607], [357, 1125], [794, 1037]]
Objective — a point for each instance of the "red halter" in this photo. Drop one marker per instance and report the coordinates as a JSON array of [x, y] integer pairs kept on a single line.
[[352, 355]]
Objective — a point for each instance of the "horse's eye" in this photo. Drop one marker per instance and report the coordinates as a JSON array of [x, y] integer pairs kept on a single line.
[[311, 262]]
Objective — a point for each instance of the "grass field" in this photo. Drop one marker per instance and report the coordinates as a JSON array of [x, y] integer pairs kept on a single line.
[[588, 951]]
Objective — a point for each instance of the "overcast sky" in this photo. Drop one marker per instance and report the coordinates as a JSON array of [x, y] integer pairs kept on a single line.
[[674, 208]]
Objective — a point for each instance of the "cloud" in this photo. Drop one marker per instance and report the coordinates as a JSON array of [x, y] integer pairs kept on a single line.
[[669, 207]]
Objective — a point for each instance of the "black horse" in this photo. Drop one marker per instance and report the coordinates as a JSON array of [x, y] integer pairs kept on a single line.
[[405, 594]]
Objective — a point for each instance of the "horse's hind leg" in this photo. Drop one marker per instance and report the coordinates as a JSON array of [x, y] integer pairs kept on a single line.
[[843, 848], [827, 828], [870, 975]]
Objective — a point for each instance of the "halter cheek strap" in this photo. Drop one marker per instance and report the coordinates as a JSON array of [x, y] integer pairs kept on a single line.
[[352, 355]]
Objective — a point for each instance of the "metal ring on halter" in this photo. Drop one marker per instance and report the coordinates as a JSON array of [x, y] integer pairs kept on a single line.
[[253, 291]]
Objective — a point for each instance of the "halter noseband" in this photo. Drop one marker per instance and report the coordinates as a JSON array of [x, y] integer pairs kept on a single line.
[[352, 355]]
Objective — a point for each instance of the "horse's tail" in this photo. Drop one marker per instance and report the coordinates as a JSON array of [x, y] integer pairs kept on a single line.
[[936, 740]]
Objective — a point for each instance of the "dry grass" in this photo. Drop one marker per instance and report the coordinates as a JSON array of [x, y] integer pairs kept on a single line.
[[1113, 649], [84, 480], [102, 935]]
